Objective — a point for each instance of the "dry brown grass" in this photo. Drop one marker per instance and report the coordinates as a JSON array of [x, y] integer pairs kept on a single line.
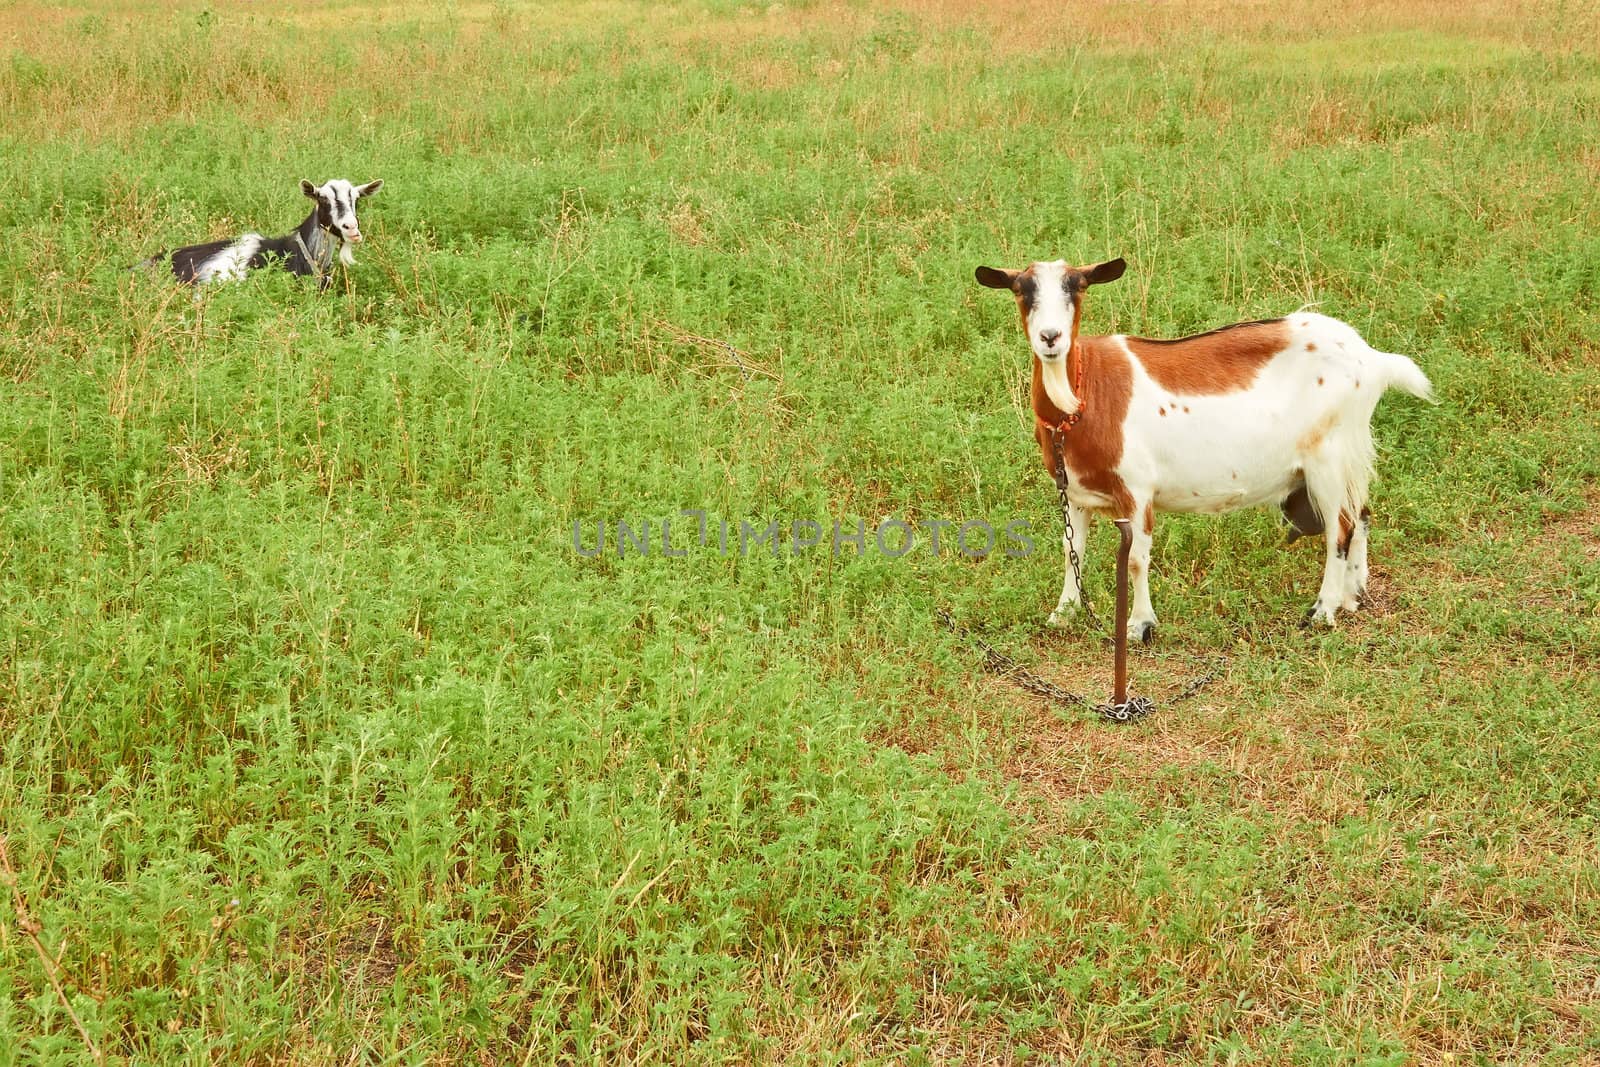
[[1186, 24], [452, 35]]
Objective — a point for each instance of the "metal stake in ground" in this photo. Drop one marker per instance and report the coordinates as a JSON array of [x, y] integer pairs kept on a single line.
[[1123, 708], [1119, 691]]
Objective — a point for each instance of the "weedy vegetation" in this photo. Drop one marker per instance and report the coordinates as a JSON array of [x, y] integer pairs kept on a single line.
[[322, 745]]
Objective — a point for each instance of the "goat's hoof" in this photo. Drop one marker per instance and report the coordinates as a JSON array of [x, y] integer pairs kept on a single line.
[[1317, 616], [1061, 618], [1142, 632]]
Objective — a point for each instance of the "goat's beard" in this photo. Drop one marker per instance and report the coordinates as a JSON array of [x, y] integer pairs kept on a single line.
[[347, 257]]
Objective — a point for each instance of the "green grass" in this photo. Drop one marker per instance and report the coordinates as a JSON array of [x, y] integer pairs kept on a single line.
[[321, 744]]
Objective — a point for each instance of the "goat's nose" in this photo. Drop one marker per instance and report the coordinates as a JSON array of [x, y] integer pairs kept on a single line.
[[1049, 337]]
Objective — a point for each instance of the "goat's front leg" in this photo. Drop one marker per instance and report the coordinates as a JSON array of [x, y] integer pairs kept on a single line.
[[1071, 596], [1141, 615]]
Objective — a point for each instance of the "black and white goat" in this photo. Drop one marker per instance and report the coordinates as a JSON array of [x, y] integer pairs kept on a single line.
[[307, 250]]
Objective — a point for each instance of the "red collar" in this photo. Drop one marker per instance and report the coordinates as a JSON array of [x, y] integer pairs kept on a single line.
[[1069, 421]]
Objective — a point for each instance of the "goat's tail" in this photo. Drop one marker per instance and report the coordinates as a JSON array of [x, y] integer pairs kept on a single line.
[[1402, 374]]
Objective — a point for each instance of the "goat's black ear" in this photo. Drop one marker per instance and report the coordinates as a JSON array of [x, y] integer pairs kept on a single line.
[[1109, 271], [369, 188], [309, 189], [995, 278]]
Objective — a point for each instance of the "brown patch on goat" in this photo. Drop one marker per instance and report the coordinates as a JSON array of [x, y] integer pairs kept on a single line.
[[1225, 360], [1149, 517], [1093, 447], [1312, 439], [1347, 529], [1022, 288], [1076, 283]]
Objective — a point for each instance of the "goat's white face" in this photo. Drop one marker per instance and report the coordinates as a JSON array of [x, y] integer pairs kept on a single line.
[[1049, 295], [336, 205], [1050, 308]]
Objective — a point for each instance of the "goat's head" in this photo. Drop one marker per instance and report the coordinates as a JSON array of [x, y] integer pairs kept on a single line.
[[336, 205], [1050, 297]]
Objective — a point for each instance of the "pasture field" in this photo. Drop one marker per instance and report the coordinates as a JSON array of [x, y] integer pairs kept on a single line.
[[323, 745]]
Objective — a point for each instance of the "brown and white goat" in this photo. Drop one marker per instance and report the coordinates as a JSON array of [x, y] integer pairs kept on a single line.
[[1272, 412]]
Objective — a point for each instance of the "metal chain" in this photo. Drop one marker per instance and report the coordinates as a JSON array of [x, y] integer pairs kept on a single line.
[[1006, 667], [1199, 682], [1133, 710], [1066, 527], [999, 663], [1136, 708]]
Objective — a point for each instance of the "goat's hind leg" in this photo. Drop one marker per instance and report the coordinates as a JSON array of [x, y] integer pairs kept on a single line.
[[1328, 495], [1355, 593]]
